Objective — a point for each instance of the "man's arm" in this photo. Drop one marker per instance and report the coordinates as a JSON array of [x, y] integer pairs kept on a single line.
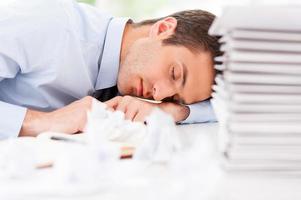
[[69, 119], [72, 118], [19, 121], [11, 115], [136, 110], [11, 119], [200, 112], [21, 54]]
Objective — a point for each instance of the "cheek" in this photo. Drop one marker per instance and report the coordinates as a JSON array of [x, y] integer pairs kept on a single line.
[[146, 63], [157, 78], [154, 70]]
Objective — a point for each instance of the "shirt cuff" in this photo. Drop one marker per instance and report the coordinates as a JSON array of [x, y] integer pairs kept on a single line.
[[200, 112], [11, 120]]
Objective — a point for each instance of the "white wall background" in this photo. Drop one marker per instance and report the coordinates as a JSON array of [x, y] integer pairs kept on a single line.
[[142, 9]]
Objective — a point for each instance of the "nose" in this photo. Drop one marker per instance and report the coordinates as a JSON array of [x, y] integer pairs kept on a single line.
[[162, 91]]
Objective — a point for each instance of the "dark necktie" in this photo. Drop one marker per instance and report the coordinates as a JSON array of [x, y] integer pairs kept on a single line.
[[106, 93]]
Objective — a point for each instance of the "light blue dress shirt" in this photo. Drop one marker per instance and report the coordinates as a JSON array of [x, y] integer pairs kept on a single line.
[[49, 52]]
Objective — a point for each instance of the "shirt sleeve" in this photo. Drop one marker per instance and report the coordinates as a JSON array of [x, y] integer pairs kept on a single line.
[[200, 112], [11, 116], [11, 120]]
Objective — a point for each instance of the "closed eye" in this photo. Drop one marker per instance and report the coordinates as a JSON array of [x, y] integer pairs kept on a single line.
[[173, 74]]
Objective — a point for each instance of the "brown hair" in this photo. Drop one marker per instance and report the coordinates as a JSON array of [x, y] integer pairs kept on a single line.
[[191, 31]]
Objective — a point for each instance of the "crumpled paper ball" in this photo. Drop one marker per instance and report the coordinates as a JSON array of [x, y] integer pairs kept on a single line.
[[18, 158], [161, 141]]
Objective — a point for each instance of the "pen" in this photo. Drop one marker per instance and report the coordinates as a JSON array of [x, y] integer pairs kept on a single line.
[[65, 139]]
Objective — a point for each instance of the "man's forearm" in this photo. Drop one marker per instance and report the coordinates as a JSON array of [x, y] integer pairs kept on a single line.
[[69, 119], [33, 124]]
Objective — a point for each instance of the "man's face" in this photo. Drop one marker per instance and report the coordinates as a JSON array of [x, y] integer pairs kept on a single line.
[[155, 71]]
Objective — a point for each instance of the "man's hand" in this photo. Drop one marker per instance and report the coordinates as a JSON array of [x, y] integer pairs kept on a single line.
[[69, 119], [136, 109]]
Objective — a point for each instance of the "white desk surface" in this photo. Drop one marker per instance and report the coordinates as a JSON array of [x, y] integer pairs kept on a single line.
[[192, 176]]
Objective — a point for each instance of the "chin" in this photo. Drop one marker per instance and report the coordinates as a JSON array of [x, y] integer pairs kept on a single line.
[[123, 91], [120, 89]]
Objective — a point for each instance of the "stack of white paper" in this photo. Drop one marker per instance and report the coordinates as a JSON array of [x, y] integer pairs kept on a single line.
[[257, 96]]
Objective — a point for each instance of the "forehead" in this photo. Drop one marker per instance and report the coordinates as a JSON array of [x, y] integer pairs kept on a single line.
[[200, 74]]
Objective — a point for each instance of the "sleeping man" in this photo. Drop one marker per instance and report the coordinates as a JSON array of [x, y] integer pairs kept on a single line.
[[57, 56]]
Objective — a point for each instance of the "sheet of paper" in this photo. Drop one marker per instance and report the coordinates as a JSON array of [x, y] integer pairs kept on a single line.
[[257, 96], [277, 18]]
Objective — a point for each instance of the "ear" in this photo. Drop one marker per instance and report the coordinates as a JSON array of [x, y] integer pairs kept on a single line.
[[164, 27]]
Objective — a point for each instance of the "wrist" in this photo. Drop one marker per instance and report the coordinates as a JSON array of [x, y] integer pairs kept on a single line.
[[184, 112], [33, 123], [178, 111]]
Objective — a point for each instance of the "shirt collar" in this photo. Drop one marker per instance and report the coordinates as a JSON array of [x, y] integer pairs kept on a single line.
[[110, 59]]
